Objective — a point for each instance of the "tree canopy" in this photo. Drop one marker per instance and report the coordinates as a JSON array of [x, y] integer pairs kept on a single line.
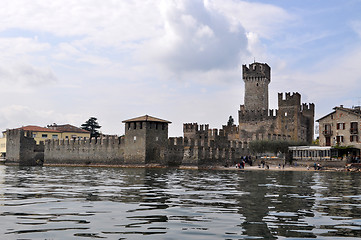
[[230, 121], [275, 146], [92, 126]]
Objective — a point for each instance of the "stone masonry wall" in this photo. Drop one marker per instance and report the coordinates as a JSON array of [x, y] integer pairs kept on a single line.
[[103, 151], [21, 148]]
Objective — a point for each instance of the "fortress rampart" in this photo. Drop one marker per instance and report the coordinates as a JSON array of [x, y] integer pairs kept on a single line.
[[21, 148], [101, 151], [110, 150], [146, 139]]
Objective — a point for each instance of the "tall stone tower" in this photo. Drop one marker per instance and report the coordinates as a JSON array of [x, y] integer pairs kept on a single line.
[[146, 140], [256, 78]]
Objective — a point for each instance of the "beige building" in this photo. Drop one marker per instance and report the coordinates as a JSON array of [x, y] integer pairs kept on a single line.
[[340, 128], [40, 134], [69, 131]]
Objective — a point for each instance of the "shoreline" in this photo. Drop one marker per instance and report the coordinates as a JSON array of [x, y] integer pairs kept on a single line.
[[233, 168], [286, 168]]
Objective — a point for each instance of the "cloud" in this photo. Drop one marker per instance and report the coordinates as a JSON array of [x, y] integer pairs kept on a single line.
[[13, 48], [25, 75], [91, 22], [195, 38], [264, 20], [356, 26]]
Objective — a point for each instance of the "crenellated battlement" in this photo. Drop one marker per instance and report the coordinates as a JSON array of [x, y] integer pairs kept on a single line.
[[230, 129], [308, 110], [19, 132], [175, 141], [108, 140], [289, 99], [308, 107], [256, 115], [256, 72], [212, 133], [194, 127]]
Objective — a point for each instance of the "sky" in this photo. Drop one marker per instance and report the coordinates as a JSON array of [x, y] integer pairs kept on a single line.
[[63, 61]]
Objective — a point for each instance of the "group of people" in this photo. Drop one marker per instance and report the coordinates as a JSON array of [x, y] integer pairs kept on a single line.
[[355, 159], [244, 160], [316, 166]]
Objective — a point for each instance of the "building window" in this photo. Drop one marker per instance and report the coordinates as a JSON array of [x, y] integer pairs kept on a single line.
[[44, 135], [163, 126], [34, 135], [156, 139], [339, 139], [340, 126], [55, 136], [354, 128], [353, 138]]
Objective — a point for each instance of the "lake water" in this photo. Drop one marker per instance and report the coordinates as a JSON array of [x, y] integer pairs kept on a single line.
[[126, 203]]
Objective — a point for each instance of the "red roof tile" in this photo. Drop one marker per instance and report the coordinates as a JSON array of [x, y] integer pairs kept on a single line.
[[38, 129], [146, 118], [68, 128]]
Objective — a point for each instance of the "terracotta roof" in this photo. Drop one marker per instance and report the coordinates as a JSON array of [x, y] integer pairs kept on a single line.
[[349, 110], [146, 118], [38, 129], [325, 116], [67, 128]]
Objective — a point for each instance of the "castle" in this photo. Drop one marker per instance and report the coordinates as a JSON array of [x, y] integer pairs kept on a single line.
[[146, 139], [292, 121]]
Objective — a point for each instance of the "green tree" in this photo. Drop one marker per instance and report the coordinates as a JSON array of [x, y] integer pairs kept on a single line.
[[230, 121], [92, 126], [274, 146]]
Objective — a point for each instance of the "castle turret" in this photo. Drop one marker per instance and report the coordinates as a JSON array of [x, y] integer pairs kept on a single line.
[[256, 78], [146, 140]]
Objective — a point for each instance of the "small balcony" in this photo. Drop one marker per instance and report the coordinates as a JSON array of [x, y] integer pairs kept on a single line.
[[327, 133], [353, 131]]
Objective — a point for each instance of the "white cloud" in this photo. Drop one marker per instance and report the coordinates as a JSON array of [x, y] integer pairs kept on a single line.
[[195, 38], [12, 48], [265, 20], [356, 26], [23, 75]]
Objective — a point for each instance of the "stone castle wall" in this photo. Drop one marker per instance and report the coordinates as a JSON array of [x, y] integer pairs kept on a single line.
[[21, 148], [291, 121], [102, 151]]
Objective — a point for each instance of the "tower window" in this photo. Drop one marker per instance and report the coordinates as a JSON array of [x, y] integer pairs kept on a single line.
[[257, 84]]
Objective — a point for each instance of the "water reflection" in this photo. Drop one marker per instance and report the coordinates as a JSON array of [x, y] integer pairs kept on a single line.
[[117, 203]]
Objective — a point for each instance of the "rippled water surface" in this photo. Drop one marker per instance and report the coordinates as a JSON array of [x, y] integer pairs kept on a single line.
[[121, 203]]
